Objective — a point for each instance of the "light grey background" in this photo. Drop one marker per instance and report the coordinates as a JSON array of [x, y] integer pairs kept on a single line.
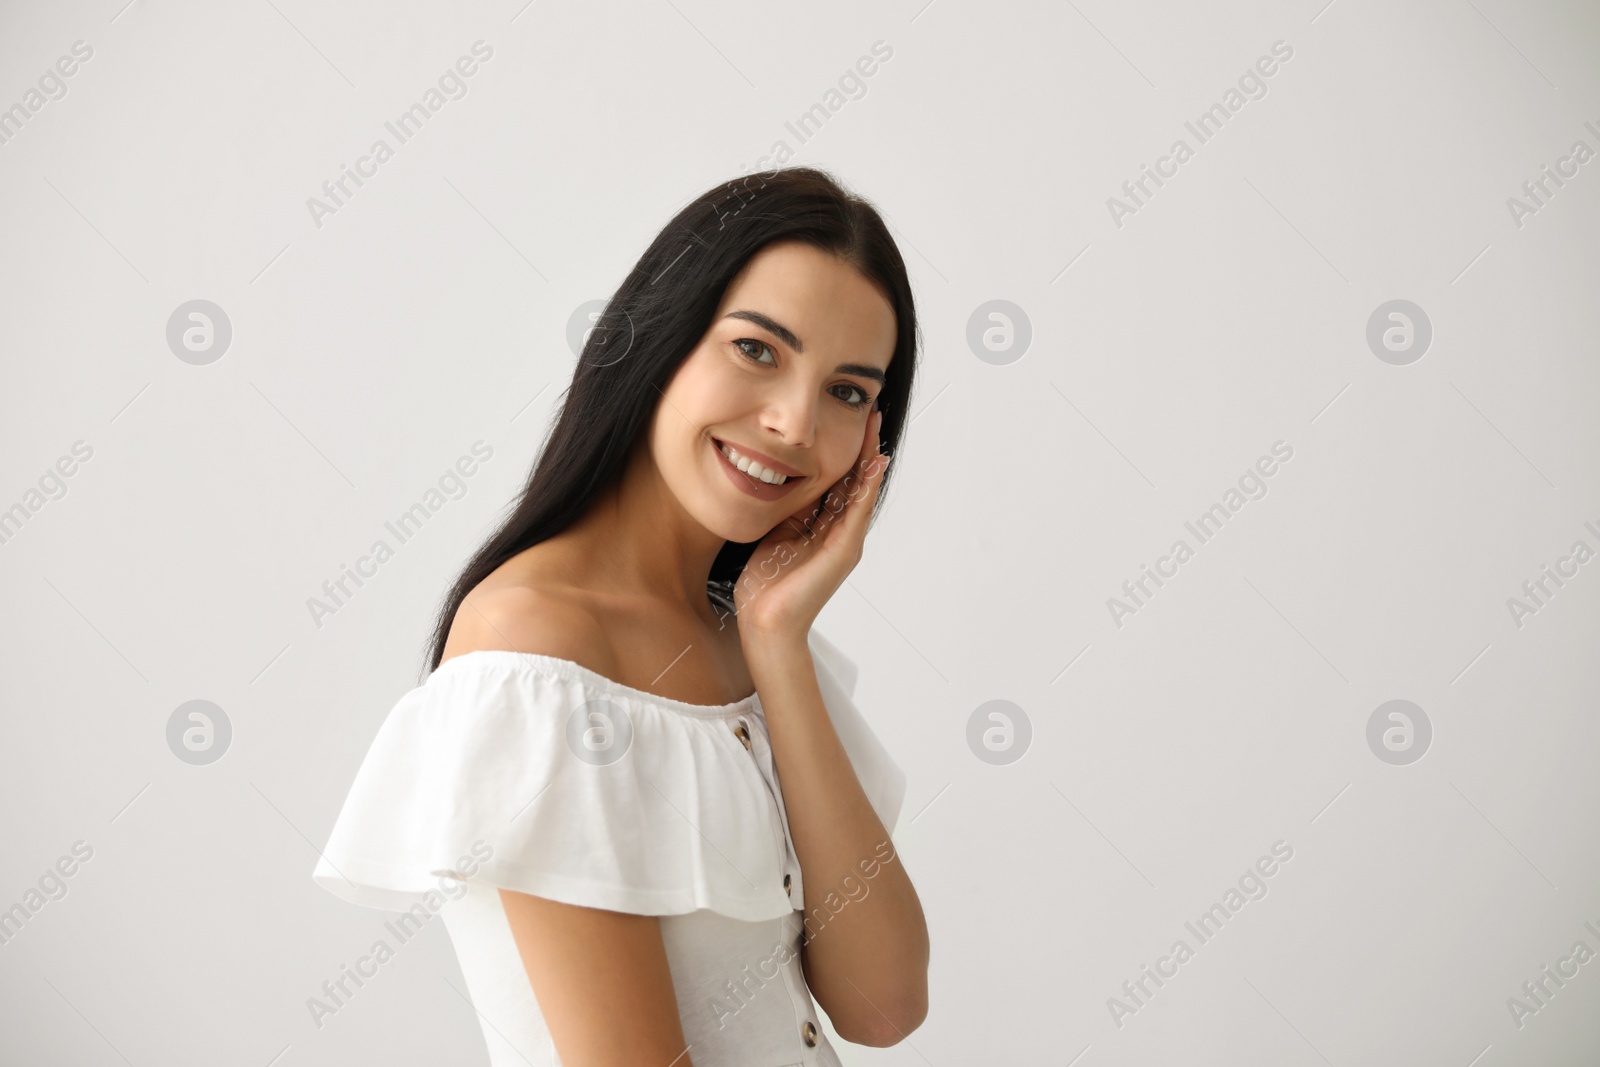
[[1167, 354]]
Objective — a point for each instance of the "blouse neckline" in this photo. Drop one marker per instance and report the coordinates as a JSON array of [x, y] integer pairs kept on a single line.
[[570, 669]]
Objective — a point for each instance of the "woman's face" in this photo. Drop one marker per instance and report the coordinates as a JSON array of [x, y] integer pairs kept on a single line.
[[786, 376]]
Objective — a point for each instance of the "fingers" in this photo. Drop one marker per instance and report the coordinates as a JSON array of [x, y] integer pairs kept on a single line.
[[873, 461], [870, 443], [857, 492], [870, 462], [858, 489]]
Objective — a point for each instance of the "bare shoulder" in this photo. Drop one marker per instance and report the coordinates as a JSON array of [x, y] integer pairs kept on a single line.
[[601, 978], [529, 616]]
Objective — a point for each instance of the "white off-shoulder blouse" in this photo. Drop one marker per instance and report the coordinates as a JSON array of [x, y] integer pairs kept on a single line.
[[531, 773]]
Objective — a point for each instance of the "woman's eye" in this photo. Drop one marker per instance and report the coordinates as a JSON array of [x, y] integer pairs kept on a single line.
[[741, 342], [862, 399]]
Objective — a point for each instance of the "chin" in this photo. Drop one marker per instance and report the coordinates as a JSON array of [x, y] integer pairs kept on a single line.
[[742, 529], [745, 524]]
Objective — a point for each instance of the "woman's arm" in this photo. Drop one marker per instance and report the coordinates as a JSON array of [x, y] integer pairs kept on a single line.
[[602, 982], [867, 965]]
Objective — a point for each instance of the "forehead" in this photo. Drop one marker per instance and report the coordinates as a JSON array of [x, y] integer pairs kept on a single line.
[[826, 302]]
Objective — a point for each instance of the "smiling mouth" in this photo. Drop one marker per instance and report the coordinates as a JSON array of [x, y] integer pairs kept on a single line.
[[753, 480], [748, 466]]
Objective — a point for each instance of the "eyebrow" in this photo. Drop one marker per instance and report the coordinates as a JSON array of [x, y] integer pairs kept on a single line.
[[786, 335]]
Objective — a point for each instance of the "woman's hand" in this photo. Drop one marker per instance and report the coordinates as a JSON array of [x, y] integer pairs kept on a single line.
[[799, 565]]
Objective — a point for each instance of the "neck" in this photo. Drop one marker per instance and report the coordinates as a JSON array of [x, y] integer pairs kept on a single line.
[[637, 540]]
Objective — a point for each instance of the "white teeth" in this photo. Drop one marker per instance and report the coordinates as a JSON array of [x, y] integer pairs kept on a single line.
[[752, 468]]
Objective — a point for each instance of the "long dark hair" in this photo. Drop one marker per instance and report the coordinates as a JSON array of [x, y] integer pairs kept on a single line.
[[654, 321]]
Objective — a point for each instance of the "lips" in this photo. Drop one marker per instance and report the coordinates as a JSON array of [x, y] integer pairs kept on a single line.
[[765, 460], [754, 486]]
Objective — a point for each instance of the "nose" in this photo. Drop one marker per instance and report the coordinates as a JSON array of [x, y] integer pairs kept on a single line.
[[791, 414]]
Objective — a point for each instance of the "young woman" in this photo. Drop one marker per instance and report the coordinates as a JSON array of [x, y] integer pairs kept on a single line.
[[626, 671]]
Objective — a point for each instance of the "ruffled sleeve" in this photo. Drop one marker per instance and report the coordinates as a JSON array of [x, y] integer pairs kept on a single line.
[[881, 777], [534, 774]]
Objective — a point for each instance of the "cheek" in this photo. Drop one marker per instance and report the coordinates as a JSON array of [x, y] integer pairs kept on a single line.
[[834, 471], [707, 391], [673, 439], [681, 408], [844, 442], [695, 401]]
